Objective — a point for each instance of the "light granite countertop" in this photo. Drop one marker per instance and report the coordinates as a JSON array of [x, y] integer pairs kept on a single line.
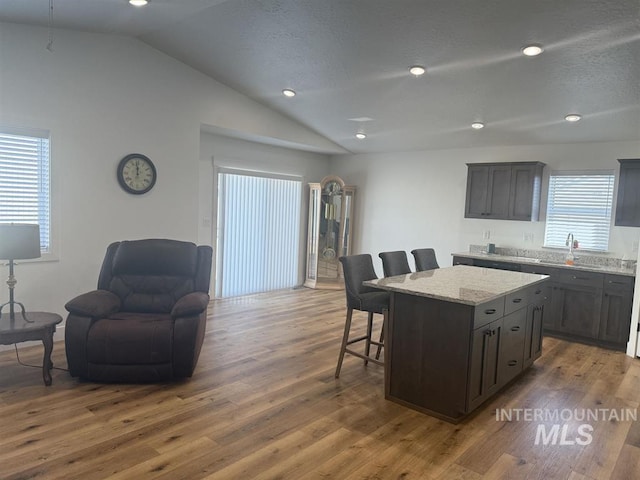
[[536, 261], [459, 284]]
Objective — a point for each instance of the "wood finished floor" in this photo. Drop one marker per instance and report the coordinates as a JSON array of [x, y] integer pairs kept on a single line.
[[263, 404]]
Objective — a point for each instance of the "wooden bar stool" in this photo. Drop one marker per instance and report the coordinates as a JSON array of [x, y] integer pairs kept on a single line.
[[358, 269]]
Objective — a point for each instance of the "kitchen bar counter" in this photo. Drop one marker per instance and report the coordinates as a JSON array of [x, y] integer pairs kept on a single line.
[[459, 284], [455, 336]]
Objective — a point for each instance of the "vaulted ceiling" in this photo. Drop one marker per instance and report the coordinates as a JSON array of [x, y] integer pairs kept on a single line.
[[348, 62]]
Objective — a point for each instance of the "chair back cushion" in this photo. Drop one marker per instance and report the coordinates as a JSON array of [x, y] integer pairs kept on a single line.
[[357, 269], [425, 259], [151, 275], [395, 263]]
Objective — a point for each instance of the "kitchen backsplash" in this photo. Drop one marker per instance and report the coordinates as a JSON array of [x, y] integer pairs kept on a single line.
[[581, 258]]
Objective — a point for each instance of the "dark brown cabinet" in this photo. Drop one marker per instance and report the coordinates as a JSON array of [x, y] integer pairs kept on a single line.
[[628, 202], [484, 367], [503, 191], [446, 358], [615, 316], [576, 299], [576, 305], [488, 189]]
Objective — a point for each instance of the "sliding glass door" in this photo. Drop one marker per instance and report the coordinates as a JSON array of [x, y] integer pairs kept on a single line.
[[258, 232]]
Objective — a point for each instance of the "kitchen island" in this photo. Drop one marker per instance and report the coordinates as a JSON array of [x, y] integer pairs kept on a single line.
[[456, 335]]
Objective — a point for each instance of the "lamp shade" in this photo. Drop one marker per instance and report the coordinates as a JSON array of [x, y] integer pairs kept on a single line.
[[19, 241]]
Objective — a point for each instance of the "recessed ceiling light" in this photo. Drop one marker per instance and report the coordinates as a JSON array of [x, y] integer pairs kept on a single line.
[[287, 92], [532, 50], [572, 117], [361, 136], [138, 3], [417, 70], [477, 125]]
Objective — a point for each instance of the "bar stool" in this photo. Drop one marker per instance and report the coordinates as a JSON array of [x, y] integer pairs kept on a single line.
[[394, 263], [425, 259], [358, 269]]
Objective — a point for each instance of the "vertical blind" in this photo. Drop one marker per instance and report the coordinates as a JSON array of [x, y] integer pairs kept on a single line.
[[24, 182], [579, 203], [258, 233]]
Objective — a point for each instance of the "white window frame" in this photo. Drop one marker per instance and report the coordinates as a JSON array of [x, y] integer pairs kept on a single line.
[[581, 203], [25, 156]]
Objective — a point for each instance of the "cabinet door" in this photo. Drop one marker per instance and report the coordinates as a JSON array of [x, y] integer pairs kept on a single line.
[[484, 368], [477, 191], [576, 309], [488, 188], [499, 190], [524, 197], [628, 203], [512, 345], [617, 301], [533, 336]]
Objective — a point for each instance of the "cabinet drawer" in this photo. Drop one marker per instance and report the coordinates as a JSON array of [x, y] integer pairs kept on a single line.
[[575, 278], [538, 294], [516, 300], [488, 312], [618, 282]]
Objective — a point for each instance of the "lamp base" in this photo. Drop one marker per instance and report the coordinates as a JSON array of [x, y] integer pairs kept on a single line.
[[12, 314]]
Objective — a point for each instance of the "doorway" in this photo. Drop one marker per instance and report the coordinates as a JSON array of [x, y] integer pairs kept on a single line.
[[258, 234]]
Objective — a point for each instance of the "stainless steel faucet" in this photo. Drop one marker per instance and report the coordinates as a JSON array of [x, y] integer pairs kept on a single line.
[[569, 242]]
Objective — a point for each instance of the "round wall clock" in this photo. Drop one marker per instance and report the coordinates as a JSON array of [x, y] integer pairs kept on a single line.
[[136, 173]]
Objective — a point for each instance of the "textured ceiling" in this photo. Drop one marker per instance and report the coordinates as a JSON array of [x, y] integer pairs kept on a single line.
[[348, 61]]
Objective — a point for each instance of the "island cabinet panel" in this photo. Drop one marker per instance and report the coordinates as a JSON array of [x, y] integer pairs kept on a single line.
[[427, 350]]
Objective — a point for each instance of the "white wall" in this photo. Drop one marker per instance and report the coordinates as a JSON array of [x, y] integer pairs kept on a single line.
[[217, 151], [408, 200], [102, 97]]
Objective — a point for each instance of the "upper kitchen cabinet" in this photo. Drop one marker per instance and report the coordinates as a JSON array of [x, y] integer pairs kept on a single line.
[[628, 204], [504, 191]]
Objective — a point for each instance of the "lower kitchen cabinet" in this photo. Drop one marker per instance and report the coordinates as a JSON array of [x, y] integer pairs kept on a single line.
[[576, 299], [583, 306], [615, 315]]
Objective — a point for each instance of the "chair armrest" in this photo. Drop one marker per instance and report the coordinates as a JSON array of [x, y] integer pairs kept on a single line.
[[191, 304], [94, 304]]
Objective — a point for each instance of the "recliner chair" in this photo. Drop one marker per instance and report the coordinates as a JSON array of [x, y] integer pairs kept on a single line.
[[146, 321]]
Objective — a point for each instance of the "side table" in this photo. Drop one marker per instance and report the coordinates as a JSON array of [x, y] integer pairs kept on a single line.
[[42, 325]]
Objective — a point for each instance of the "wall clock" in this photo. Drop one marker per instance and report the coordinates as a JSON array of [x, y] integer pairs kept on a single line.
[[136, 174]]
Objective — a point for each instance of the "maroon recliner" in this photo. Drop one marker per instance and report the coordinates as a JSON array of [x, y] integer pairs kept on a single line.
[[146, 321]]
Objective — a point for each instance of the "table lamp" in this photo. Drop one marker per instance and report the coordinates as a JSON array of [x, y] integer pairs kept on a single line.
[[17, 242]]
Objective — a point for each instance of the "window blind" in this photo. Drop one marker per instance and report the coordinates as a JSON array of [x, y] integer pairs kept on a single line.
[[579, 203], [25, 182], [259, 233]]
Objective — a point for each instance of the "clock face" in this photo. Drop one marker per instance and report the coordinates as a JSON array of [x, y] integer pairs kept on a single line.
[[136, 173], [332, 188]]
